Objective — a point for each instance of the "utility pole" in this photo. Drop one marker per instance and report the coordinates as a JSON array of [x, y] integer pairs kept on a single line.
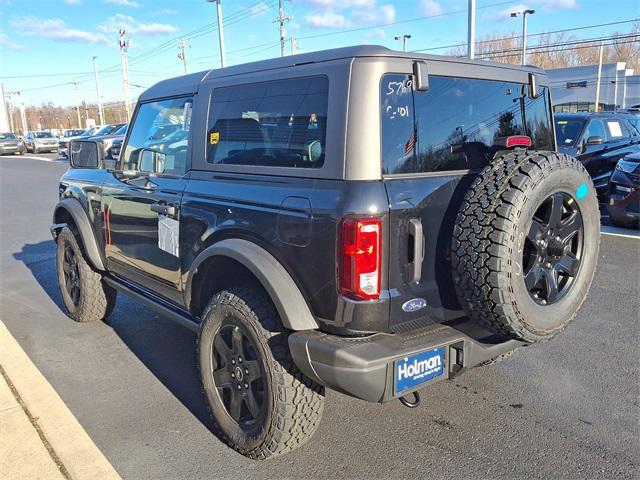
[[599, 78], [404, 37], [223, 61], [524, 14], [294, 45], [23, 115], [124, 46], [280, 20], [95, 74], [183, 43], [471, 30], [75, 86]]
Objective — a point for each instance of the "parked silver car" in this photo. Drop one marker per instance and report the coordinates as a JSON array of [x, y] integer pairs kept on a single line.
[[37, 142], [11, 144]]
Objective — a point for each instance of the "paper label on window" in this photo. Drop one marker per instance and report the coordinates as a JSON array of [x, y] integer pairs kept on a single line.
[[214, 138], [614, 128], [168, 235]]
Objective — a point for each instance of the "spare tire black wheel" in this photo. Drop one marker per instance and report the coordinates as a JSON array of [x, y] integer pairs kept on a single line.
[[525, 244]]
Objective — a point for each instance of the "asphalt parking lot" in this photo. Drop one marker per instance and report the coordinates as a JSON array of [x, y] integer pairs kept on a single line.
[[569, 408]]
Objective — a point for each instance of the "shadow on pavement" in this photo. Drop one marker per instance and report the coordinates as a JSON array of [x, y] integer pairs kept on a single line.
[[166, 349]]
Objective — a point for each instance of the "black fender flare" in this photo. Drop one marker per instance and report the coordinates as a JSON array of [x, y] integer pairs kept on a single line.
[[285, 294], [82, 223]]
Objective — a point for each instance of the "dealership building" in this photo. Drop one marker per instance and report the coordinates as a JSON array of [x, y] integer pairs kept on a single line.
[[573, 89]]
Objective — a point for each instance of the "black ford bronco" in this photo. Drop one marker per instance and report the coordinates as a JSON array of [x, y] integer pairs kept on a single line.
[[356, 219]]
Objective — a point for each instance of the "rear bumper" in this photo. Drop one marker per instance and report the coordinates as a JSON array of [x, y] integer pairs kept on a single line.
[[363, 366]]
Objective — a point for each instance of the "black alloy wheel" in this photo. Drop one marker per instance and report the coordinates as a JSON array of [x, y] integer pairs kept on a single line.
[[71, 273], [239, 376], [553, 248]]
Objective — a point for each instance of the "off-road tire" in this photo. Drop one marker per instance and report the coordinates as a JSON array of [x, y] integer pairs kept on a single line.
[[97, 299], [296, 402], [489, 237]]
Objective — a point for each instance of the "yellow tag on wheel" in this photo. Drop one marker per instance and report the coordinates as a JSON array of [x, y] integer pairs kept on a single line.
[[214, 138]]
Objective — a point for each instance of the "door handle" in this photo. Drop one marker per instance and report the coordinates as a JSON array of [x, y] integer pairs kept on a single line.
[[417, 238], [168, 210]]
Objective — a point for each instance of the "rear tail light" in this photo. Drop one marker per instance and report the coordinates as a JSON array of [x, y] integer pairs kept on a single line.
[[518, 141], [360, 257]]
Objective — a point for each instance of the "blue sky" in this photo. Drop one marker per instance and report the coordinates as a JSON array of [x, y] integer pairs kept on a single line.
[[46, 44]]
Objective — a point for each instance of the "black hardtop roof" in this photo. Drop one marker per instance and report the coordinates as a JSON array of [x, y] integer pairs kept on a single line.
[[189, 83]]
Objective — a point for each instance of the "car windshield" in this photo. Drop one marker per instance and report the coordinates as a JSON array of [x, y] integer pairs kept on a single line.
[[7, 136], [89, 132], [42, 134], [106, 130], [568, 131], [122, 130], [73, 133]]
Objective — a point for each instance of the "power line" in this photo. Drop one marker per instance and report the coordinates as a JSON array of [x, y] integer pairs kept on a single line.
[[585, 27]]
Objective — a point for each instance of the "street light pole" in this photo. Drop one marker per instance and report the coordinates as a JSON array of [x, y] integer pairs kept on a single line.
[[75, 86], [524, 14], [404, 37], [218, 3], [95, 73], [124, 46]]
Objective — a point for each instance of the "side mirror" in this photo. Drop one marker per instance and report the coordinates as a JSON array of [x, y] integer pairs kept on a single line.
[[85, 154], [595, 140]]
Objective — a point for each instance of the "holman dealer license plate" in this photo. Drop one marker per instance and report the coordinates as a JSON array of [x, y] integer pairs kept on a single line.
[[418, 368]]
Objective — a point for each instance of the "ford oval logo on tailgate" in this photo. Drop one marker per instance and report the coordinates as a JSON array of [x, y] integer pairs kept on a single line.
[[414, 305]]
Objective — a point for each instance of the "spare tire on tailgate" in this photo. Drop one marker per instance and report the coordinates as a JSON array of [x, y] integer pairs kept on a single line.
[[525, 243]]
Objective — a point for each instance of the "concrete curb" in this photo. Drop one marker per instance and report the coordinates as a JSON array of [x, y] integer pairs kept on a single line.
[[64, 435]]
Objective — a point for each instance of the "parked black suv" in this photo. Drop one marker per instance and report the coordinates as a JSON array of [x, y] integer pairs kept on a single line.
[[598, 140], [359, 219]]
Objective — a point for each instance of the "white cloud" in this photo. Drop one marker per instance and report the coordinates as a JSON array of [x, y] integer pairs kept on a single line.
[[345, 13], [382, 14], [5, 42], [164, 11], [73, 2], [118, 21], [430, 7], [55, 29], [327, 20], [124, 3]]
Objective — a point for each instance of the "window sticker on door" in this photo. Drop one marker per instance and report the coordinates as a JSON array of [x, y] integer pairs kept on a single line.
[[214, 138], [614, 128], [168, 234]]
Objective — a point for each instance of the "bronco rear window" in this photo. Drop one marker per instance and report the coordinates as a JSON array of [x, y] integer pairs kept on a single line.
[[278, 124], [457, 124]]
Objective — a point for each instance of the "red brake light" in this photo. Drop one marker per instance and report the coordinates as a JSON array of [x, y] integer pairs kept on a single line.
[[518, 141], [360, 257]]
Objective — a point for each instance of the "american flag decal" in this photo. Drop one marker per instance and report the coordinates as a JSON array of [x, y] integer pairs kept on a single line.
[[411, 143]]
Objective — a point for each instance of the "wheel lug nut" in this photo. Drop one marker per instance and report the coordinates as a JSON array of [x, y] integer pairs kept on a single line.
[[246, 385], [239, 387], [233, 361], [239, 359], [246, 371], [233, 375]]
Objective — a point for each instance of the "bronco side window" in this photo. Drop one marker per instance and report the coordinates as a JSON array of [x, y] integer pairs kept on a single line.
[[458, 123], [279, 124], [159, 137]]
